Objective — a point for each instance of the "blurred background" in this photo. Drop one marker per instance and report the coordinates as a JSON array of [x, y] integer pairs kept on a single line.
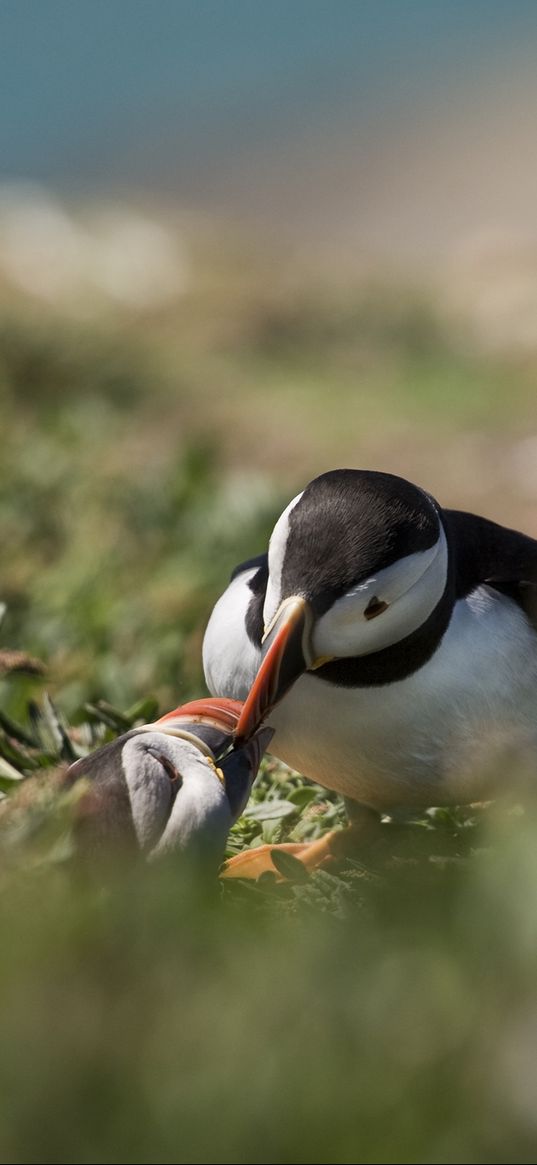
[[242, 243]]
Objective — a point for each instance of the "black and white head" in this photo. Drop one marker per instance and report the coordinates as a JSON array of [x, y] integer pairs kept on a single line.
[[176, 785], [357, 563]]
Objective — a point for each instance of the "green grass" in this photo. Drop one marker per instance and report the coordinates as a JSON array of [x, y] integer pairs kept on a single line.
[[380, 1010]]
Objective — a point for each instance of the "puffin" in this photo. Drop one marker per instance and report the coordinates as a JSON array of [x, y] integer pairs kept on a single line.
[[391, 645], [176, 785]]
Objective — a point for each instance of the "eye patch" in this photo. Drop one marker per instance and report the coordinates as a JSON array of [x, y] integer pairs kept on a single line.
[[175, 776], [375, 607]]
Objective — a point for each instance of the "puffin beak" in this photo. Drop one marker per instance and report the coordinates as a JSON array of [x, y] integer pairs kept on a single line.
[[286, 654], [220, 713]]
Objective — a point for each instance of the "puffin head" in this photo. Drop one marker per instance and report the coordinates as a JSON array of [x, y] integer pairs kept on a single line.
[[357, 562], [178, 784]]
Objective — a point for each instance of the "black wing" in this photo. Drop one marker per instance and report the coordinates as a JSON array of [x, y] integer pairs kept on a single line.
[[258, 586], [260, 560], [485, 552]]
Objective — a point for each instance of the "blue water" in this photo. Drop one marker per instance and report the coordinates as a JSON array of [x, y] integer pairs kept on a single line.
[[156, 91]]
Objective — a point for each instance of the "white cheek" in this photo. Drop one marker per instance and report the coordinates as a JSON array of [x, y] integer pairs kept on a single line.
[[344, 631], [276, 555]]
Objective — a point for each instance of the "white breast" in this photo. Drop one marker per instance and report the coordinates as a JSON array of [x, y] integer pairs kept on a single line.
[[230, 659], [436, 737]]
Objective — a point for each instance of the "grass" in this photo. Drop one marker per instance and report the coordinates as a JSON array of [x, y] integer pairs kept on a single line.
[[380, 1010]]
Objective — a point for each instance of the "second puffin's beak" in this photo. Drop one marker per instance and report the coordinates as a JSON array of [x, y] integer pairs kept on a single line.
[[286, 654], [209, 722]]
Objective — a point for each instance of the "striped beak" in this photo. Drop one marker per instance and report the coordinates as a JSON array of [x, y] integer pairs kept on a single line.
[[212, 721], [286, 654], [212, 724]]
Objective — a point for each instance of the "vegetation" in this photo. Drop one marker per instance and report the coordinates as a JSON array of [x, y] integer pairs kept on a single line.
[[380, 1010]]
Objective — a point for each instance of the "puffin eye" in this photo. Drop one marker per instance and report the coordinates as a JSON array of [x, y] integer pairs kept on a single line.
[[375, 607], [175, 777]]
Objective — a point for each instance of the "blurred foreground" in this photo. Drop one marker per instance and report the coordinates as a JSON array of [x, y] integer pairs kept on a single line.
[[383, 1015]]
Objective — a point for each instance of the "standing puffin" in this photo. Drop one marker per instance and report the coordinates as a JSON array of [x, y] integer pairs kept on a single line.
[[391, 645]]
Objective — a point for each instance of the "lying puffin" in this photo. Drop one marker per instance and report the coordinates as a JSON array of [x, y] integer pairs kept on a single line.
[[176, 785]]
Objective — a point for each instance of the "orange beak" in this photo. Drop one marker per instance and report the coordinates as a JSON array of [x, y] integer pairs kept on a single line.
[[221, 713], [286, 654]]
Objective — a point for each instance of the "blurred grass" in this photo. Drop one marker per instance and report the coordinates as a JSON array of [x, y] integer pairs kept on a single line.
[[381, 1011], [148, 1017], [143, 457]]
